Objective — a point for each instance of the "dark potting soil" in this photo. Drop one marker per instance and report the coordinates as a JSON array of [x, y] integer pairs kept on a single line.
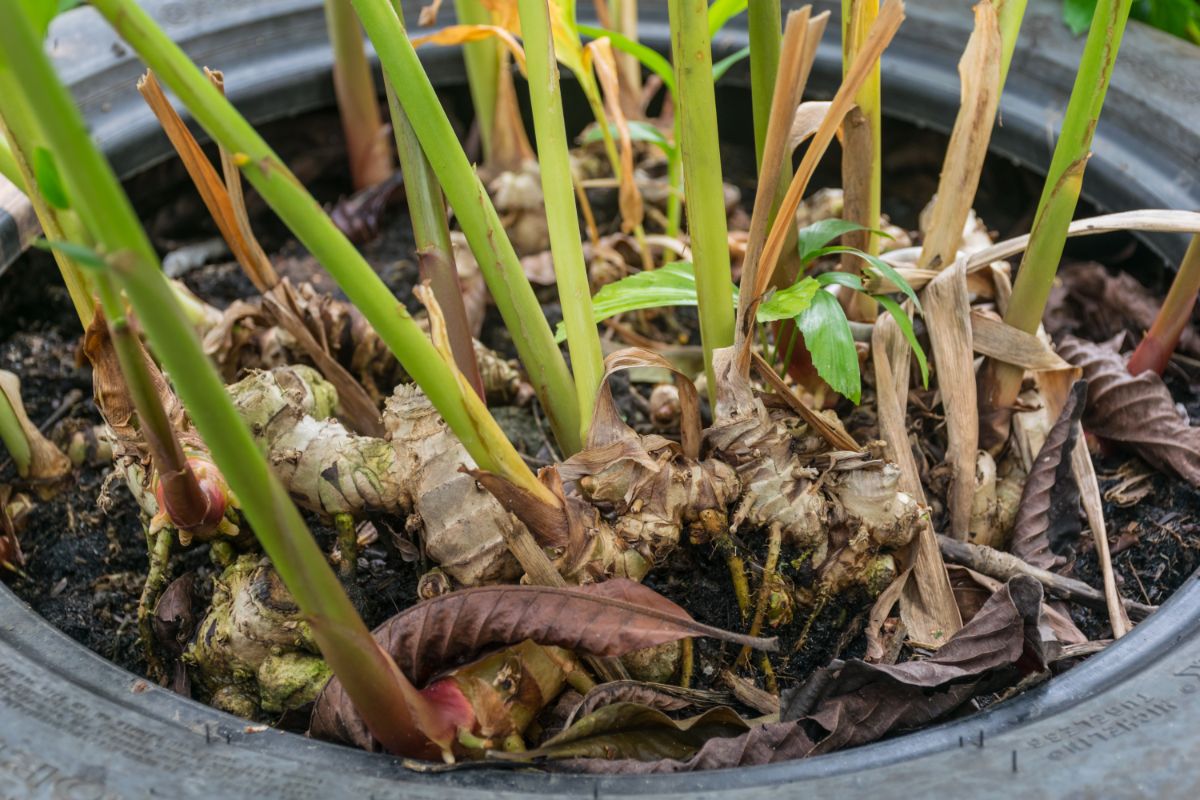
[[86, 551]]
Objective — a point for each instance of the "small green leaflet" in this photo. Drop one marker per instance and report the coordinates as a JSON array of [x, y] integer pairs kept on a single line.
[[671, 285], [906, 328], [787, 303], [722, 66], [1078, 14], [831, 344], [81, 254], [812, 238], [879, 265], [639, 131], [49, 182], [721, 11], [841, 279]]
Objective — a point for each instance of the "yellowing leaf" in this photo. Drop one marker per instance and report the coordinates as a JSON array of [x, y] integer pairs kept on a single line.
[[453, 35]]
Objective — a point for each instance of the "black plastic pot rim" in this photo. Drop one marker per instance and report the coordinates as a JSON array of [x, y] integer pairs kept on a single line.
[[923, 91]]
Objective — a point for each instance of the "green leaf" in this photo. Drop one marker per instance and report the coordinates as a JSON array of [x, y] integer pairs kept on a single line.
[[721, 11], [39, 13], [810, 239], [831, 344], [841, 279], [879, 265], [906, 328], [787, 303], [671, 285], [639, 131], [1078, 14], [650, 59], [81, 254], [631, 730], [49, 182], [722, 66]]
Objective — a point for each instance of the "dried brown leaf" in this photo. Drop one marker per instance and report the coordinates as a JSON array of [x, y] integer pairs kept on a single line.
[[948, 314], [857, 702], [1048, 517], [927, 605], [603, 619], [979, 71], [1136, 411], [641, 733], [661, 696], [991, 336]]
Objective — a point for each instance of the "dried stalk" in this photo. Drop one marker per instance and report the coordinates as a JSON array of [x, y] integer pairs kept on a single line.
[[1089, 495], [948, 312], [1002, 566]]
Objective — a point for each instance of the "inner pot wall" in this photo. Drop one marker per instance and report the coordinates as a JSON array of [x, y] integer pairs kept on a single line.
[[74, 725]]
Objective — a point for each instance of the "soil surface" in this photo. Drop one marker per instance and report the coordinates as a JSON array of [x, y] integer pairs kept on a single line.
[[86, 551]]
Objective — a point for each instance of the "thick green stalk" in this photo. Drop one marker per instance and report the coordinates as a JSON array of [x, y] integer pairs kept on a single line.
[[482, 60], [19, 135], [13, 436], [431, 233], [562, 217], [999, 381], [862, 153], [184, 503], [765, 22], [303, 215], [478, 219], [1176, 313], [389, 703], [703, 188], [358, 104]]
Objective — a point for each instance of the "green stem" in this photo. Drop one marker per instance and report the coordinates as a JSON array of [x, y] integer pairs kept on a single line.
[[1010, 14], [703, 188], [8, 165], [478, 219], [387, 701], [1156, 348], [765, 22], [185, 504], [482, 60], [1000, 382], [674, 182], [13, 436], [358, 104], [863, 136], [303, 215], [431, 232], [19, 135], [562, 217]]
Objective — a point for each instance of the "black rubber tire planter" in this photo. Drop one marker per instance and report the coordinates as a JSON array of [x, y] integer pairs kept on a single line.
[[72, 725]]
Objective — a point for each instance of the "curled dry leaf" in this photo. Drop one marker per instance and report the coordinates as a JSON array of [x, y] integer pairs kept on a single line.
[[453, 629], [173, 623], [1136, 411], [1088, 298], [622, 616], [46, 462], [14, 509], [1048, 516], [855, 702], [641, 733], [661, 696]]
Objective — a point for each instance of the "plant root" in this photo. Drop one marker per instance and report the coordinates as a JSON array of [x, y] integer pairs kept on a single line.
[[252, 653], [332, 471]]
